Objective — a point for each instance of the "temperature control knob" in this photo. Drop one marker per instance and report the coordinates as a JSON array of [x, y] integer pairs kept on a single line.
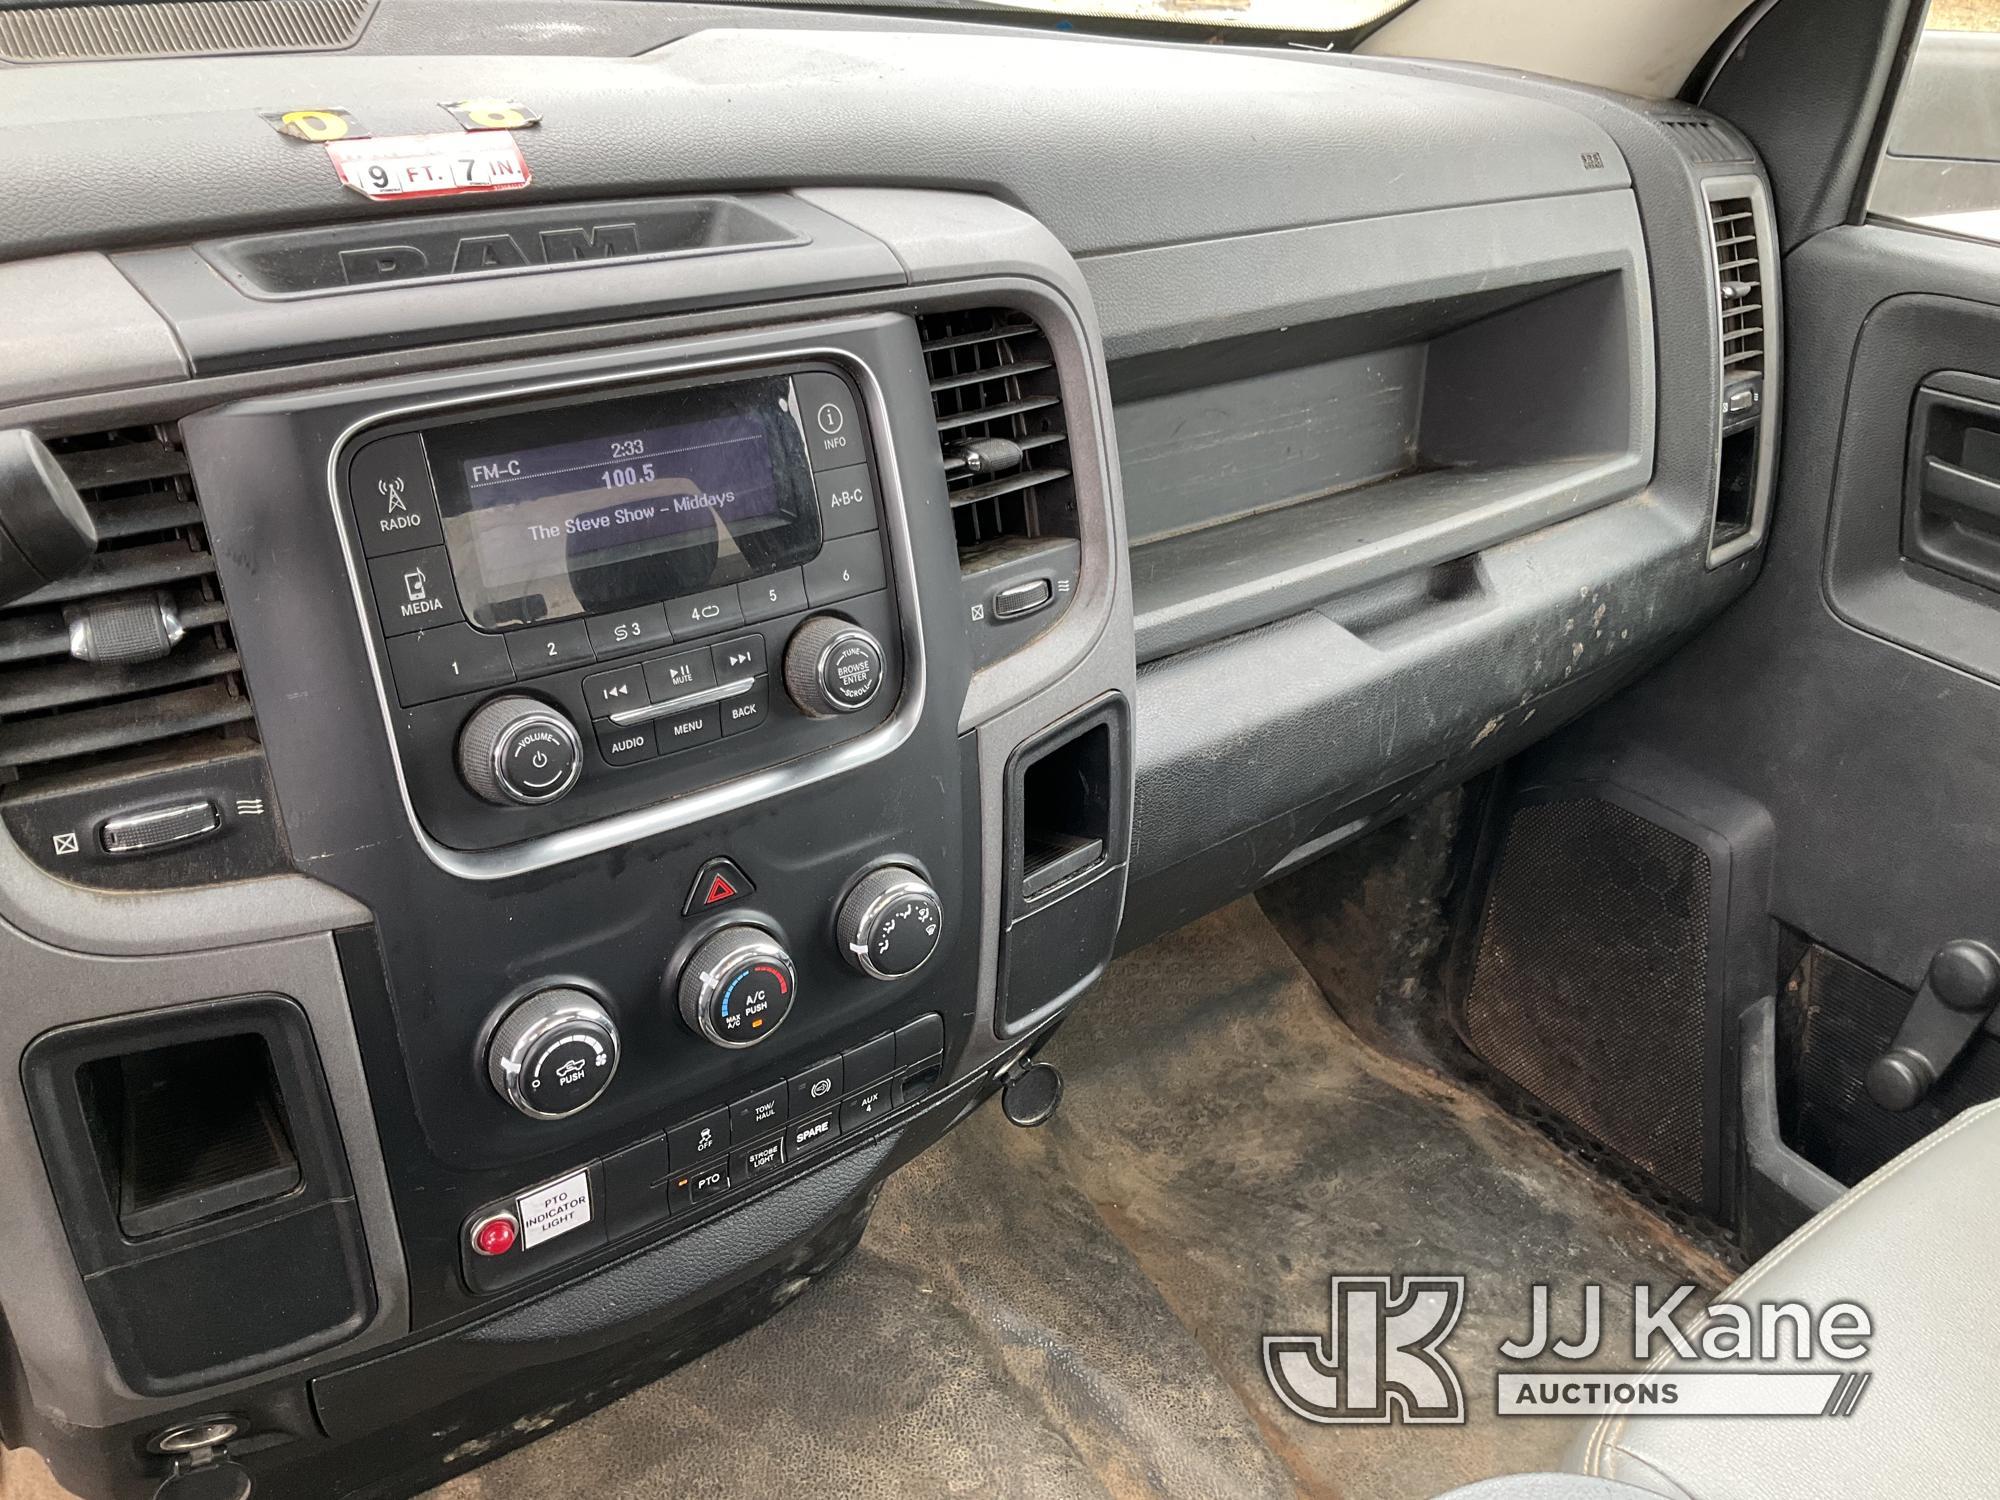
[[832, 666], [891, 923], [519, 750], [553, 1054], [738, 987]]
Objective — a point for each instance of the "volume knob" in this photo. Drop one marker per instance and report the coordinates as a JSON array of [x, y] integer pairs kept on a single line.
[[519, 750]]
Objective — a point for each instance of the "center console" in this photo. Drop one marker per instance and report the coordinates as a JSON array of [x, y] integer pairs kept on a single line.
[[698, 750]]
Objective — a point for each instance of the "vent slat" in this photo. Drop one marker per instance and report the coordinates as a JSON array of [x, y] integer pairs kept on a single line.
[[58, 714], [1733, 229], [993, 488], [998, 372], [990, 413], [988, 336]]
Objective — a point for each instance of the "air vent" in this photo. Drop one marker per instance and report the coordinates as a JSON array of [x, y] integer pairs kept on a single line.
[[1740, 286], [129, 664], [1704, 142], [998, 402], [1746, 320], [178, 28]]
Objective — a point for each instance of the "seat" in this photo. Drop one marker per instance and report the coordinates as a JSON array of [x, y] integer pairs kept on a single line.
[[1915, 1245]]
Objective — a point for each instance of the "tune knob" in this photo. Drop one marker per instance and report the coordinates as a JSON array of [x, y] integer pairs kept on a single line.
[[738, 987], [519, 750], [553, 1054], [832, 666], [891, 923]]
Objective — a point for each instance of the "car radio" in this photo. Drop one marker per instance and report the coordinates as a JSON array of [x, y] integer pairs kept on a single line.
[[607, 599]]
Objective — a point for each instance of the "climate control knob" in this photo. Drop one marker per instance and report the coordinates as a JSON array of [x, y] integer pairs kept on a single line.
[[519, 750], [738, 987], [553, 1054], [891, 923], [833, 666]]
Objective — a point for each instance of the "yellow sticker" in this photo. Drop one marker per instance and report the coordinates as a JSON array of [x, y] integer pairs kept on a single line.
[[492, 114], [315, 124]]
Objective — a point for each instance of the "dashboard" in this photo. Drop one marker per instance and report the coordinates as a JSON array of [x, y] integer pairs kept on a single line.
[[615, 695]]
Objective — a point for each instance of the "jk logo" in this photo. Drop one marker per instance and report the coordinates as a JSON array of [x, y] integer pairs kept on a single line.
[[1380, 1360]]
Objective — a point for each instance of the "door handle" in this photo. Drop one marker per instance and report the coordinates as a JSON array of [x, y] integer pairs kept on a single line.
[[1951, 499]]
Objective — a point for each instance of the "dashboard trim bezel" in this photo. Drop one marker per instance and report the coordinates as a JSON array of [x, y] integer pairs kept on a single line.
[[547, 850]]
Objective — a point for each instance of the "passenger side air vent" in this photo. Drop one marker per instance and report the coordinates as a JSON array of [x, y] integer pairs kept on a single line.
[[132, 657], [1746, 318], [1704, 142], [997, 397]]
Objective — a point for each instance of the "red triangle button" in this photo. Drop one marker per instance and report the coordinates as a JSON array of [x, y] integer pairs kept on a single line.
[[718, 880]]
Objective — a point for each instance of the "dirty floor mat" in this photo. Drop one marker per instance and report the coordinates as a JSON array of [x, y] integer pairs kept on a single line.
[[1078, 1311]]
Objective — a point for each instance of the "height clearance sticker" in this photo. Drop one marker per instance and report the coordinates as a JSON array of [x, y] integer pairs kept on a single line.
[[431, 166]]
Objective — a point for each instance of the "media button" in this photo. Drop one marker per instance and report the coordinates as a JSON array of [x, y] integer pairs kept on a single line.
[[549, 648], [831, 420], [685, 730], [636, 630], [413, 591], [389, 485], [610, 693], [671, 677], [747, 710], [452, 659], [704, 614], [773, 595], [625, 745], [847, 501]]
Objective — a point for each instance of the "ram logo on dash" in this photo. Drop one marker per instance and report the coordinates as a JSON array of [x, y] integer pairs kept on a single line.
[[1380, 1359]]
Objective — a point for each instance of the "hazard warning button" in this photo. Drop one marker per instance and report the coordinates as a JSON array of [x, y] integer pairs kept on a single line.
[[716, 883]]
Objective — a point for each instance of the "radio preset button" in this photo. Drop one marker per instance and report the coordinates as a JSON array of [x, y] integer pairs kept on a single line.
[[832, 422], [435, 664], [640, 629], [746, 711], [690, 727], [847, 504], [740, 658], [777, 594], [549, 648], [610, 693], [850, 566], [389, 485], [626, 745], [704, 614], [413, 591], [671, 677]]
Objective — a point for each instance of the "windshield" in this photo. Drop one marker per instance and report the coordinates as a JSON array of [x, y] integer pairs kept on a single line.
[[1313, 16]]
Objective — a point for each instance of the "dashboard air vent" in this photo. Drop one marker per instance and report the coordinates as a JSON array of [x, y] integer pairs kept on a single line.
[[1740, 286], [131, 661], [178, 28], [1704, 142], [997, 397]]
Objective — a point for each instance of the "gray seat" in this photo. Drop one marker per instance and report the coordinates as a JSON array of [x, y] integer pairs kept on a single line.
[[1915, 1245]]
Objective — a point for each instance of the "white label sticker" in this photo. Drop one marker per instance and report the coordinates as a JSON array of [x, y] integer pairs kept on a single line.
[[553, 1210], [431, 166]]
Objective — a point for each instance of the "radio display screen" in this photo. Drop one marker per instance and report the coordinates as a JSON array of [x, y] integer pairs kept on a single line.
[[599, 506]]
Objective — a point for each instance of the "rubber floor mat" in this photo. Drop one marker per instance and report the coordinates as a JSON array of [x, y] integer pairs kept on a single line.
[[1078, 1311]]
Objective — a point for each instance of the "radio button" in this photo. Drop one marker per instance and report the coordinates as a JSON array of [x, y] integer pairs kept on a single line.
[[640, 629], [740, 658], [832, 423], [742, 714], [550, 648], [413, 591], [626, 746], [683, 731], [850, 566], [767, 598], [435, 664], [671, 677], [389, 485], [847, 501], [610, 693], [704, 614]]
